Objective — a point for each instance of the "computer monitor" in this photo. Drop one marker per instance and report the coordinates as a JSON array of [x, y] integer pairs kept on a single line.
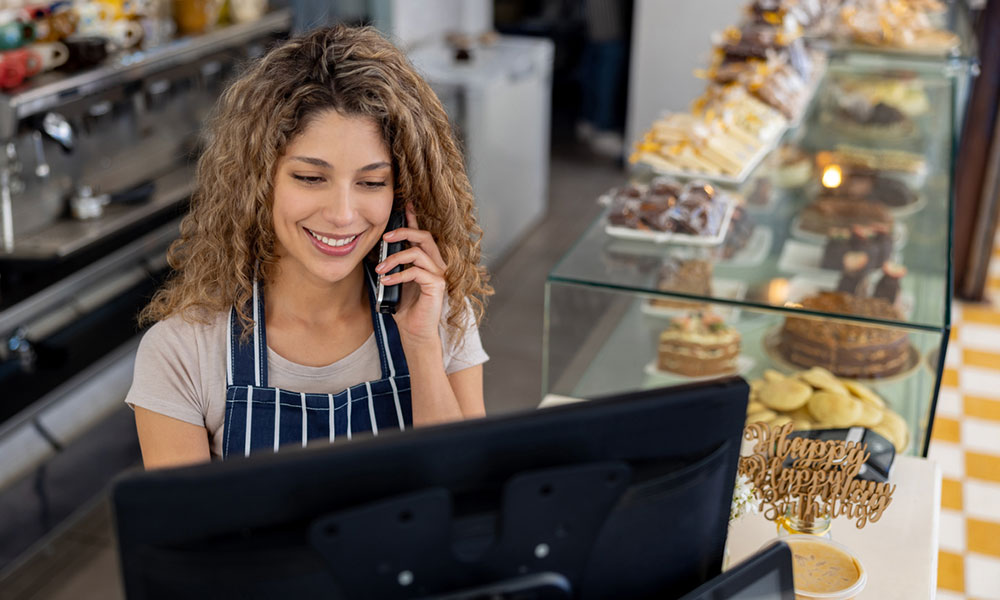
[[624, 497], [766, 575]]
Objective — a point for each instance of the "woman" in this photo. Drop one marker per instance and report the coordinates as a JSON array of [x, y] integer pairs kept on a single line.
[[267, 334]]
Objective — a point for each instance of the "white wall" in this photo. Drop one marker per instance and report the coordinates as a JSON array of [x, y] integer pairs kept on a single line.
[[417, 21], [670, 39]]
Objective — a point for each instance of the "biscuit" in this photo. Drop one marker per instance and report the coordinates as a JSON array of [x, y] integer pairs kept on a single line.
[[753, 406], [821, 379], [763, 416], [780, 420], [864, 393], [802, 424], [786, 394], [894, 429], [834, 410], [870, 416], [772, 375]]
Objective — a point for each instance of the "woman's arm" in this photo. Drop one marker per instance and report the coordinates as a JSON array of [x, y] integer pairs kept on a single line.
[[438, 397], [169, 442]]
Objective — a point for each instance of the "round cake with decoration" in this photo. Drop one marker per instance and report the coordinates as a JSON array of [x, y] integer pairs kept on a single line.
[[846, 349], [699, 345]]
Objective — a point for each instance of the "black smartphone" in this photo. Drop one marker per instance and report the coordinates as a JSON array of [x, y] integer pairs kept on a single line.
[[387, 296]]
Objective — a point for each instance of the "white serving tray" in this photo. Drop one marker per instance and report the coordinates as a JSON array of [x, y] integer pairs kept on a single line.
[[669, 237]]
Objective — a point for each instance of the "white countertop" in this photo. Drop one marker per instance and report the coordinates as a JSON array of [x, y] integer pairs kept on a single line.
[[899, 551]]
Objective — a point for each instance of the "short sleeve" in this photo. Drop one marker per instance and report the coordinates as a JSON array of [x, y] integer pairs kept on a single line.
[[467, 349], [165, 379]]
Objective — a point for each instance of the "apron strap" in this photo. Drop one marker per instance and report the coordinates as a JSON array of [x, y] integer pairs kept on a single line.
[[390, 348], [246, 362]]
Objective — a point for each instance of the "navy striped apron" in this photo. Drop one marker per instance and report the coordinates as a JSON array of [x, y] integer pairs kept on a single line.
[[260, 418]]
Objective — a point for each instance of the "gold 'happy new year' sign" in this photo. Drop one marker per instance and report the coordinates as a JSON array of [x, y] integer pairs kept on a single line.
[[819, 480]]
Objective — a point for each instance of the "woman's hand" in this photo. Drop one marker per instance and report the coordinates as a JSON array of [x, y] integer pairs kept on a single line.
[[424, 285]]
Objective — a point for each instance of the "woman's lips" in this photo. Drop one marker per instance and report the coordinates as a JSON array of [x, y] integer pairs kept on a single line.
[[331, 249]]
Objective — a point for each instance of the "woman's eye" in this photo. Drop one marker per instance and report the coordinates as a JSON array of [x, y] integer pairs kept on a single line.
[[310, 179], [373, 184]]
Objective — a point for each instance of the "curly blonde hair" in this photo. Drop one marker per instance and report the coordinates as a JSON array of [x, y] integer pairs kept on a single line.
[[227, 239]]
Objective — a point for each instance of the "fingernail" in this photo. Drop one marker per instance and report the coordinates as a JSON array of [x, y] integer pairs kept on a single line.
[[380, 267], [389, 235]]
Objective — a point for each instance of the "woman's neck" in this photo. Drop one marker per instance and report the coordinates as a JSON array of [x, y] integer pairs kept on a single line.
[[297, 297]]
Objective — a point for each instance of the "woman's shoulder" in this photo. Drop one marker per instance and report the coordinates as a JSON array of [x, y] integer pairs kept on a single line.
[[192, 326]]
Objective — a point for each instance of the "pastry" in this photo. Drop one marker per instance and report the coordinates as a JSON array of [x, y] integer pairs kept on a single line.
[[827, 214], [834, 410], [664, 206], [836, 402], [888, 286], [838, 244], [869, 416], [845, 349], [864, 185], [761, 417], [741, 226], [692, 277], [821, 379], [698, 345], [864, 393], [854, 277], [894, 429], [785, 395]]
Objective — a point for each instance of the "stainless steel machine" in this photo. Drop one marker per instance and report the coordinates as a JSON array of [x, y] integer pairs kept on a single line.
[[95, 171]]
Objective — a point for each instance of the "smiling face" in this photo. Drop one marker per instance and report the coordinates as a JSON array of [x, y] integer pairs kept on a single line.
[[333, 193]]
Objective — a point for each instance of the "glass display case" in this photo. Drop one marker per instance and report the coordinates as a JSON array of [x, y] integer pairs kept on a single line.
[[829, 291]]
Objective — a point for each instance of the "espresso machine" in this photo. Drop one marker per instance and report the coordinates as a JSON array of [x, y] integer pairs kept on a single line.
[[96, 168]]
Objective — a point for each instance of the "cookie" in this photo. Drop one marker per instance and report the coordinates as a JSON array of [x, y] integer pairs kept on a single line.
[[780, 420], [894, 429], [754, 407], [864, 393], [821, 379], [802, 424], [834, 410], [763, 416], [870, 416], [786, 394], [772, 375]]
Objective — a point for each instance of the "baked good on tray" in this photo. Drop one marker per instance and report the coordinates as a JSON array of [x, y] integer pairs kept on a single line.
[[697, 345], [865, 185], [845, 349], [696, 208], [818, 399], [824, 215], [692, 277]]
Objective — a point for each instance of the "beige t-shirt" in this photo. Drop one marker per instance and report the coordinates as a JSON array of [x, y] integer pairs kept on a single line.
[[180, 370]]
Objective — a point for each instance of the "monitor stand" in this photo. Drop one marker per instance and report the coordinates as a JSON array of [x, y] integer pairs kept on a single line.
[[413, 546]]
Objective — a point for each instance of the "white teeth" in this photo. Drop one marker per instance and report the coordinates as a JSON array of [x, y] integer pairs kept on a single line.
[[332, 242]]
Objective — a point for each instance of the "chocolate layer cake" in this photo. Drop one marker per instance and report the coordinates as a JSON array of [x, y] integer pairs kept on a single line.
[[846, 349], [698, 345], [826, 214]]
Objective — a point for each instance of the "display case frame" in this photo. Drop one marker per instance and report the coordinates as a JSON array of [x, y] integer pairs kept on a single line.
[[600, 335]]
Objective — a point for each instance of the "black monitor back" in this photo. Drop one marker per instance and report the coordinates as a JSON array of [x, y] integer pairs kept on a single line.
[[624, 497]]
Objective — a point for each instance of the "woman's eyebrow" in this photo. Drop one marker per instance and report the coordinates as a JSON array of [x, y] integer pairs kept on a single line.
[[375, 166], [318, 162]]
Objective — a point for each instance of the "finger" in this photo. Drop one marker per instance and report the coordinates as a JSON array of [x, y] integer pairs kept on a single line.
[[420, 238], [430, 283], [411, 256]]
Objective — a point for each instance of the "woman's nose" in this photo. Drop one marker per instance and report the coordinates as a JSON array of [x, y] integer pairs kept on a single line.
[[338, 207]]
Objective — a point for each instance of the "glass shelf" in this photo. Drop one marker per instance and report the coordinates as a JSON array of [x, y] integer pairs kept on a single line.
[[772, 265]]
